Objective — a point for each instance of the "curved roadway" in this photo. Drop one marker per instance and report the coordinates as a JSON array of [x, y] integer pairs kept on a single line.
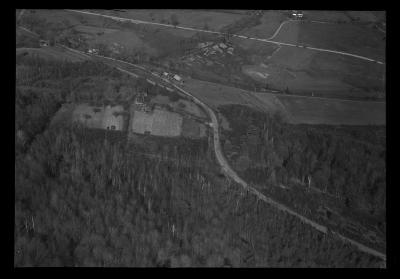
[[231, 173], [234, 176]]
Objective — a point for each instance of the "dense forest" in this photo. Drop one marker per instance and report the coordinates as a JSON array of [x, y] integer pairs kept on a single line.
[[344, 162], [84, 200]]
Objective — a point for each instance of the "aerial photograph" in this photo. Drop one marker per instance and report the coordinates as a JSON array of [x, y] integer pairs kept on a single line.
[[198, 138]]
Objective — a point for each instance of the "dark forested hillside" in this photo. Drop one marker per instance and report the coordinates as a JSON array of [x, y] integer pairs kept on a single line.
[[310, 166], [85, 200], [347, 161], [87, 203]]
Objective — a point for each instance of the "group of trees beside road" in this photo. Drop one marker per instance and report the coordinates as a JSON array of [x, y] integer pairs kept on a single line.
[[345, 162]]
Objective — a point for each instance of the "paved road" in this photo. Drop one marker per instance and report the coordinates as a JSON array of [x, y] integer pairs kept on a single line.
[[222, 33]]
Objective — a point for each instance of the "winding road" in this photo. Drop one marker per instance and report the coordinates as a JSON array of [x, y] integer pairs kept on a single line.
[[135, 21], [229, 172]]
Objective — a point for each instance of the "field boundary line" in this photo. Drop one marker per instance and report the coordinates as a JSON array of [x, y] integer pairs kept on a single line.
[[222, 33]]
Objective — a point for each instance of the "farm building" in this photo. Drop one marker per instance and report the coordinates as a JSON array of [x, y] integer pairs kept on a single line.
[[44, 43], [178, 78], [93, 51], [297, 14]]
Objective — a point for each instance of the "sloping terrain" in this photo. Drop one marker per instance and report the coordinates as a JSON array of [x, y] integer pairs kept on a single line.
[[352, 38], [188, 18], [51, 53], [333, 112]]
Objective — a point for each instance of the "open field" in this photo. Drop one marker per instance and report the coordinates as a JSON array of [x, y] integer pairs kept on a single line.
[[160, 99], [295, 109], [88, 116], [325, 74], [289, 68], [364, 77], [58, 16], [256, 72], [94, 30], [99, 117], [352, 38], [363, 16], [126, 39], [180, 105], [270, 21], [190, 108], [217, 94], [51, 53], [192, 128], [157, 123], [330, 16], [305, 110], [63, 115], [188, 18]]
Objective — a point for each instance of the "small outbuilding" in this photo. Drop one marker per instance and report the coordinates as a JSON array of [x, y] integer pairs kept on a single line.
[[44, 43], [178, 78]]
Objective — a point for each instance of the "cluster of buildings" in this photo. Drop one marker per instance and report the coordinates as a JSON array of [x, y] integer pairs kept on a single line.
[[116, 48], [297, 14], [140, 102], [210, 48], [173, 77], [44, 43], [93, 51]]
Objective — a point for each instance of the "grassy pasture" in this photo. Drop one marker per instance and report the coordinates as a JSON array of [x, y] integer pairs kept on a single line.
[[55, 16], [352, 38], [94, 29], [305, 110], [289, 32], [363, 16], [190, 108], [364, 77], [270, 21], [125, 38], [52, 53], [187, 18], [293, 58], [330, 16], [303, 70], [192, 129], [217, 94]]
